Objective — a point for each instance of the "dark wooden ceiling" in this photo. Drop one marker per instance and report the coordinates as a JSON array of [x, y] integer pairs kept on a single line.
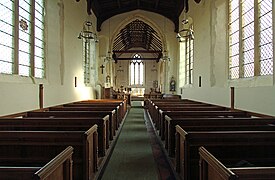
[[104, 9], [137, 35]]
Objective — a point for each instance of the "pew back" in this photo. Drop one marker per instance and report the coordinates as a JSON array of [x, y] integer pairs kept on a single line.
[[188, 143]]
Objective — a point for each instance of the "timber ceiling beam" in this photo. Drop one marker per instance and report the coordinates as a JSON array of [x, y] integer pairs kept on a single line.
[[136, 51]]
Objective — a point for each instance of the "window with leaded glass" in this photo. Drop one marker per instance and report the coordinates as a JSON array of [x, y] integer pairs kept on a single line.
[[86, 60], [136, 70], [250, 38], [6, 36], [39, 58], [186, 61], [22, 37], [182, 64], [189, 60]]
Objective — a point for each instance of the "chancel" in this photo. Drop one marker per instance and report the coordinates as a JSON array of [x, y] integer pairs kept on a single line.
[[145, 89]]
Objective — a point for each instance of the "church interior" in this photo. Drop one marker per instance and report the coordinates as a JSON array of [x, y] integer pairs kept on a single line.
[[136, 56]]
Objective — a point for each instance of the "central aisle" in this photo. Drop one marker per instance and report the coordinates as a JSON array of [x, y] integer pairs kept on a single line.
[[132, 157]]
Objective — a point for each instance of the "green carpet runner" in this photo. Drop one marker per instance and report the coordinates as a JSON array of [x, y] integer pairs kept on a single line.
[[132, 157]]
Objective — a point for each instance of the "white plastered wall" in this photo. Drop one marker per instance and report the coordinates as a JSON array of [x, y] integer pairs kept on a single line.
[[64, 20], [211, 63]]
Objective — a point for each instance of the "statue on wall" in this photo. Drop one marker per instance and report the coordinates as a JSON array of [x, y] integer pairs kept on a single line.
[[172, 84]]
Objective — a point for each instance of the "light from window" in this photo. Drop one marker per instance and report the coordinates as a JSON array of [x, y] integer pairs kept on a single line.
[[137, 70], [266, 36], [182, 65], [39, 39], [248, 37], [6, 36], [86, 60], [22, 37], [251, 47], [25, 38], [189, 60], [234, 39]]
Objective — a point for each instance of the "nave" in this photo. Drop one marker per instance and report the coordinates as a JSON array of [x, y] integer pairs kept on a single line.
[[137, 153]]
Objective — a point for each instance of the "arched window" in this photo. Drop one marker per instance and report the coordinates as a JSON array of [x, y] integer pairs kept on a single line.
[[136, 71]]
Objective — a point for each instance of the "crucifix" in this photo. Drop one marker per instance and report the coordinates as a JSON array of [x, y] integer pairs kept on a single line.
[[102, 67]]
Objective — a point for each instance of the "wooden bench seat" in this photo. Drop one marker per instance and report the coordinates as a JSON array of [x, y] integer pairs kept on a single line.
[[212, 124], [113, 114], [121, 103], [188, 143], [196, 114], [40, 146], [75, 114], [60, 124], [159, 110], [120, 110], [154, 109], [151, 103], [60, 167], [252, 165]]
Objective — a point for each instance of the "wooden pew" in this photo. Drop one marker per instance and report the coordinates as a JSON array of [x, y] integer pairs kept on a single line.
[[60, 167], [103, 143], [155, 106], [196, 114], [38, 146], [113, 120], [152, 103], [60, 124], [212, 124], [120, 109], [254, 167], [105, 102], [188, 143], [154, 109], [159, 110]]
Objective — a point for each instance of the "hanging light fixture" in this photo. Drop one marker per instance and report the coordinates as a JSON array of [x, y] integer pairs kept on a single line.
[[185, 32], [165, 56], [87, 32], [109, 56]]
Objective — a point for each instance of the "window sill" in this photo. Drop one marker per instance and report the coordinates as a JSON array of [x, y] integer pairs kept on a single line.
[[12, 78], [252, 82]]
